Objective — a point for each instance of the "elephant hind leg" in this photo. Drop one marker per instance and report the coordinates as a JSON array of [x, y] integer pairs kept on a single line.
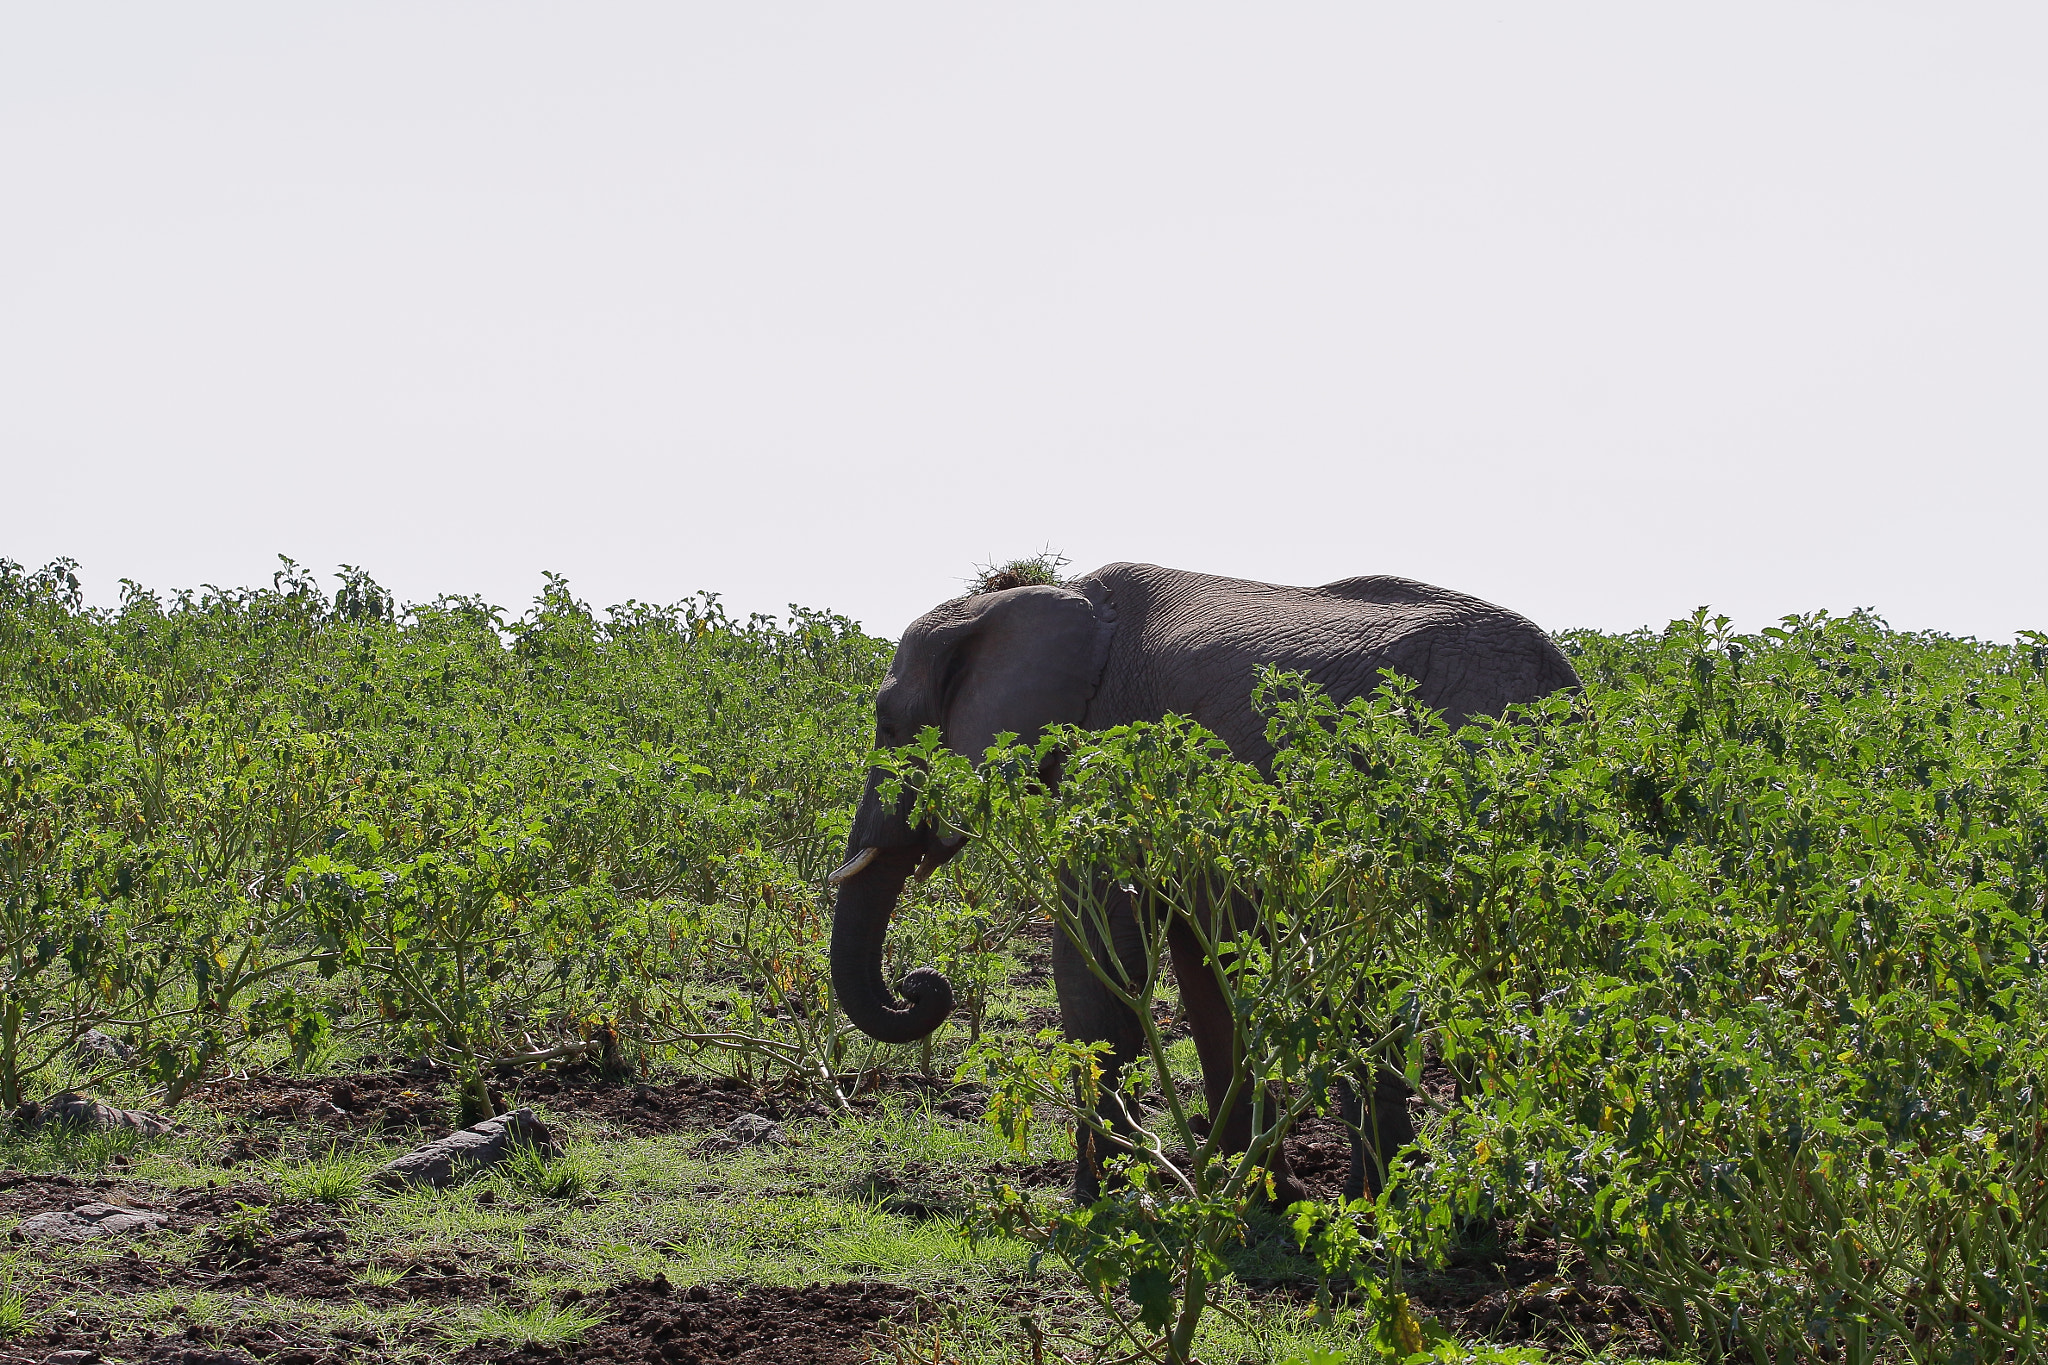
[[1210, 1022], [1375, 1138]]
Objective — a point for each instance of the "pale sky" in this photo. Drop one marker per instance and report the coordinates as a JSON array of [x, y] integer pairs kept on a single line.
[[1599, 311]]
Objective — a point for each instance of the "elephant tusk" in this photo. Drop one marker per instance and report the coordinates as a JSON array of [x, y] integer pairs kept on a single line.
[[853, 866]]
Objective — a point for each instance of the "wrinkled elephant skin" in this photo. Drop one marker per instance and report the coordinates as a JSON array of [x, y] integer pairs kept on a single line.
[[1133, 642]]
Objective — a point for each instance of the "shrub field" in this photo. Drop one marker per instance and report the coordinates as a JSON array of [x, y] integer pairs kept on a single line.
[[1718, 987]]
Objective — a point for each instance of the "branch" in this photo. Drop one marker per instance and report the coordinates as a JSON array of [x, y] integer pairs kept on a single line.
[[546, 1054]]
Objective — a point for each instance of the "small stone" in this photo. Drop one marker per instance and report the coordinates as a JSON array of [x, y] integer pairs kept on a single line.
[[753, 1130], [90, 1220], [92, 1040], [71, 1358]]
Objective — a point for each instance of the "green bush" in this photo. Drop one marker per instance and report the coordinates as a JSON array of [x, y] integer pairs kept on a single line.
[[267, 819], [1737, 957]]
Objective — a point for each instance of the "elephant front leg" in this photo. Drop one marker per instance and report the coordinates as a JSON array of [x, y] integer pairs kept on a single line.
[[1208, 1017], [1089, 1013], [1376, 1137]]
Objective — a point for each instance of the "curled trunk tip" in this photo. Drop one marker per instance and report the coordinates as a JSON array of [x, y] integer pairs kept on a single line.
[[860, 923]]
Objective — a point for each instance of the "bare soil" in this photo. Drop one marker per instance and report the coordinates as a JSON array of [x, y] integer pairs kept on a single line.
[[421, 1101], [1500, 1289], [648, 1322], [307, 1258], [644, 1322]]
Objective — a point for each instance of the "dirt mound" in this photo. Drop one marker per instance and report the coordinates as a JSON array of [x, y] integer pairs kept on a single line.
[[1503, 1290], [197, 1345], [419, 1100], [1553, 1312], [422, 1100], [649, 1322], [1319, 1151], [24, 1195], [652, 1108]]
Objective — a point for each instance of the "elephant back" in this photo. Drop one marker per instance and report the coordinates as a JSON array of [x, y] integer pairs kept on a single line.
[[1193, 644]]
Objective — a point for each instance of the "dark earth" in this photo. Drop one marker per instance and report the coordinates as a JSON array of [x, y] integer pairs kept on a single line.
[[1508, 1292], [643, 1321]]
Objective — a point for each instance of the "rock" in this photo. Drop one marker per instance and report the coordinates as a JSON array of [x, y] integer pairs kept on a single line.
[[752, 1130], [484, 1144], [92, 1040], [71, 1358], [748, 1130], [74, 1110], [91, 1220]]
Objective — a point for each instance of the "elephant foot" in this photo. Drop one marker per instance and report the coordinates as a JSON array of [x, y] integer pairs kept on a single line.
[[1287, 1191]]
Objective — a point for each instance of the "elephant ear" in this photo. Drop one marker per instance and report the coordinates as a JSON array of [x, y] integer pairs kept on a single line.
[[1033, 657]]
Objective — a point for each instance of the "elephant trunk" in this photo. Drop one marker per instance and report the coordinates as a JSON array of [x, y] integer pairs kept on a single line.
[[860, 923]]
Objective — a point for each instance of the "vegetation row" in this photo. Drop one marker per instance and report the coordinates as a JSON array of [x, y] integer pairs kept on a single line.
[[1735, 957]]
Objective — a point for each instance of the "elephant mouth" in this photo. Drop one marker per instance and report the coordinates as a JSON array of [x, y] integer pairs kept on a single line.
[[937, 853], [937, 856]]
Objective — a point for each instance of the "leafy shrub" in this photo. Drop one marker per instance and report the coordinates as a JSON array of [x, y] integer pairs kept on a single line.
[[264, 819], [238, 1238], [1741, 967], [1737, 957], [1159, 823]]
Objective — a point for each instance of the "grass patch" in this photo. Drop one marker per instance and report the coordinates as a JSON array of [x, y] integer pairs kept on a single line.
[[13, 1310], [542, 1324], [872, 1195], [334, 1178], [1041, 568], [562, 1177], [60, 1147]]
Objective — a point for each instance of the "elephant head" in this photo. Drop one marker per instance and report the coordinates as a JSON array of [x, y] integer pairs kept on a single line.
[[1017, 660]]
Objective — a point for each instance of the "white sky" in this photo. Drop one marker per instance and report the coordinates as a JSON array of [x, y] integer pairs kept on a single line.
[[1602, 312]]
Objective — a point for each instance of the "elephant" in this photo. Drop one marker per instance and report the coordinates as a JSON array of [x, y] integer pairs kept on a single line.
[[1128, 643]]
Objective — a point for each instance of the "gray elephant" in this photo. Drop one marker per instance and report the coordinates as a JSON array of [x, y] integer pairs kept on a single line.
[[1132, 642]]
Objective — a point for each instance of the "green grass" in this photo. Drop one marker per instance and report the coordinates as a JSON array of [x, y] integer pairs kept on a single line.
[[870, 1196], [334, 1177], [13, 1311], [54, 1148], [562, 1177], [542, 1324], [614, 1207]]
